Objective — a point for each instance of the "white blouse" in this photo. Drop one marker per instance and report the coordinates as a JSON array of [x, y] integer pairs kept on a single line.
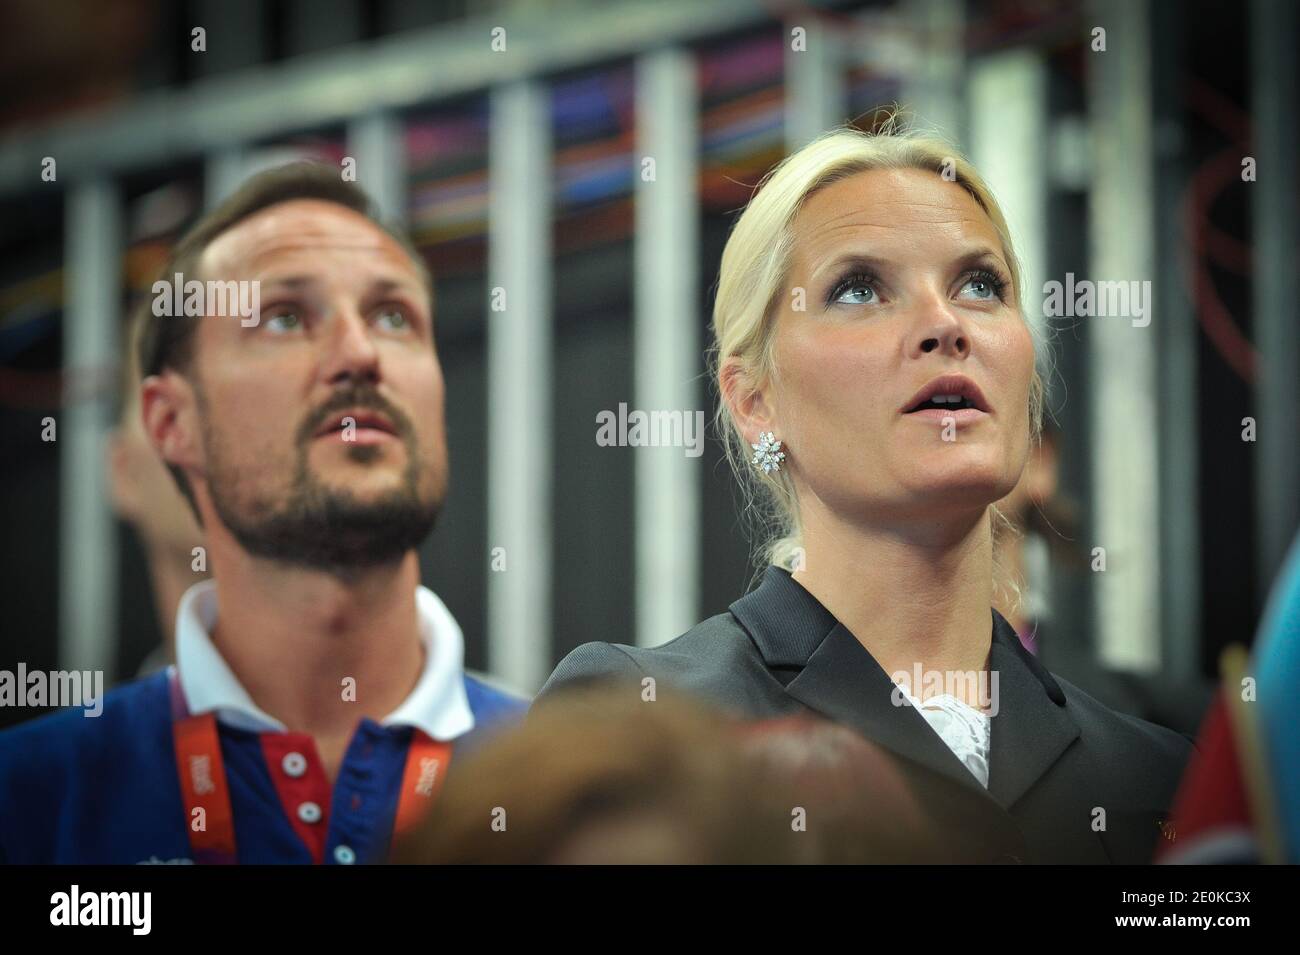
[[965, 730]]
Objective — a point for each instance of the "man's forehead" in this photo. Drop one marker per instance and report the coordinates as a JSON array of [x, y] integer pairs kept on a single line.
[[302, 227]]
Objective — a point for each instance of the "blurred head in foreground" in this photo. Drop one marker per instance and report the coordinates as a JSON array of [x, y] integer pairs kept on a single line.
[[597, 776]]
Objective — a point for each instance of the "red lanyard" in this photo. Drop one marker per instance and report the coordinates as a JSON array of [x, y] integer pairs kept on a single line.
[[426, 767], [202, 774]]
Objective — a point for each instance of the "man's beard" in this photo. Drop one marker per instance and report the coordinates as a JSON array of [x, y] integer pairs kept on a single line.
[[322, 527]]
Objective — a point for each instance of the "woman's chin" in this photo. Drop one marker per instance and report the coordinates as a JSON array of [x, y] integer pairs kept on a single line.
[[960, 489]]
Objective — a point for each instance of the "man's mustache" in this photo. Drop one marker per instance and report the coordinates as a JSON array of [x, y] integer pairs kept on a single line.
[[353, 398]]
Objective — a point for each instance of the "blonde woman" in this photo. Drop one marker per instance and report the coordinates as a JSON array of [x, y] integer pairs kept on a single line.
[[879, 395]]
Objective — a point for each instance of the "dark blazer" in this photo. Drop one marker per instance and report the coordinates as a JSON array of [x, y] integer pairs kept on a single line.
[[1056, 754]]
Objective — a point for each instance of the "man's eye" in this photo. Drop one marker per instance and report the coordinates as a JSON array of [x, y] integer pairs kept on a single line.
[[393, 319], [283, 320]]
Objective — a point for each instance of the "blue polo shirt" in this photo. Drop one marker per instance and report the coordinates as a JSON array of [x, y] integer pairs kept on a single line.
[[105, 789]]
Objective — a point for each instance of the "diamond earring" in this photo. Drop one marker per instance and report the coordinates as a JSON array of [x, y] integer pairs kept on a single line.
[[767, 453]]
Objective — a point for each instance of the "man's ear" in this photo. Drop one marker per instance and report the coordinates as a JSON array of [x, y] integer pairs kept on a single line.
[[750, 407], [167, 410]]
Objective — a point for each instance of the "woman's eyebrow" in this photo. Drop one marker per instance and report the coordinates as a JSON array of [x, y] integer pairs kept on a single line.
[[875, 263], [978, 257], [855, 260]]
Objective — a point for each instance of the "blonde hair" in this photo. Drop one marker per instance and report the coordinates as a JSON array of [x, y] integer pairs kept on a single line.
[[753, 276]]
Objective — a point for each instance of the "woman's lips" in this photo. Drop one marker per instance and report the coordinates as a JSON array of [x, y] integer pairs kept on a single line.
[[961, 416], [951, 386]]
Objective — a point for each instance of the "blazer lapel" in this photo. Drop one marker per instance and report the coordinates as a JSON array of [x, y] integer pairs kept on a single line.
[[840, 679], [1033, 727], [844, 682]]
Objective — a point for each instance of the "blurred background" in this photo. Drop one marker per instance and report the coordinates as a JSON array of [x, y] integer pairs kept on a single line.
[[510, 139]]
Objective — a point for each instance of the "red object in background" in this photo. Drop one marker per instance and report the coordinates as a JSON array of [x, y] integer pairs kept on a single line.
[[1212, 820]]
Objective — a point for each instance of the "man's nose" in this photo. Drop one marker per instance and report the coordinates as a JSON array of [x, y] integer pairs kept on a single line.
[[351, 349]]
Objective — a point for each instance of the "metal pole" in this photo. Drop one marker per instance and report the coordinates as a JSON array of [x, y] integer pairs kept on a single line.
[[815, 98], [1276, 240], [1122, 382], [666, 336], [87, 534], [519, 343], [375, 142]]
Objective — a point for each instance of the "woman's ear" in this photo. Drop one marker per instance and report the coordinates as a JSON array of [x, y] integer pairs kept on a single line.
[[167, 411], [749, 406]]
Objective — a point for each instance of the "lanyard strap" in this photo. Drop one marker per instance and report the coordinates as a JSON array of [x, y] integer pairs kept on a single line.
[[202, 774], [426, 768], [205, 794]]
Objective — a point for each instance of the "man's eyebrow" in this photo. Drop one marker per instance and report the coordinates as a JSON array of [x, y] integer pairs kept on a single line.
[[382, 286], [388, 286], [291, 281]]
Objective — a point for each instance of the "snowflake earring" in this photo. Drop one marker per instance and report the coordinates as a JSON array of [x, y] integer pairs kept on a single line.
[[767, 453]]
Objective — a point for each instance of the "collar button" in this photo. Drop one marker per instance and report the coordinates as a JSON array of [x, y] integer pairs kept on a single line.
[[294, 764]]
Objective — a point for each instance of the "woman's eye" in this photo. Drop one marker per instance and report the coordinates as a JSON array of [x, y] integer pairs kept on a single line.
[[393, 319], [283, 320], [855, 293], [984, 288]]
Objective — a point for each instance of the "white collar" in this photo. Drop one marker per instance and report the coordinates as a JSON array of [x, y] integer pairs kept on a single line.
[[438, 704]]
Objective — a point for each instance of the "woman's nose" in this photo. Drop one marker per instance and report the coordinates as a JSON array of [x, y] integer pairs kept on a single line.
[[942, 332], [954, 342]]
